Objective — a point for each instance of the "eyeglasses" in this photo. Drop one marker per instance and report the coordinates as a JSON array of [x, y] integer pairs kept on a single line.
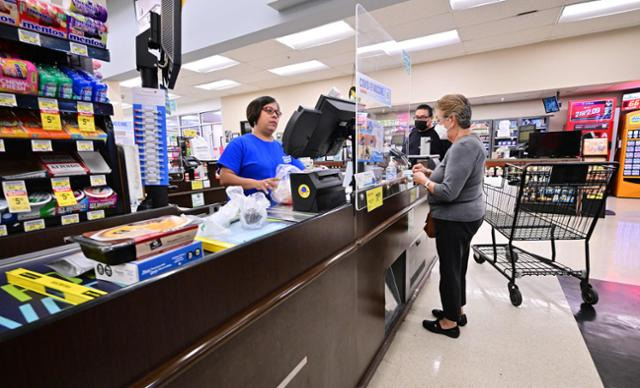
[[425, 118], [270, 111]]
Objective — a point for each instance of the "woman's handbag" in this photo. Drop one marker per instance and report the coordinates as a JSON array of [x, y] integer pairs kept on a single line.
[[430, 226]]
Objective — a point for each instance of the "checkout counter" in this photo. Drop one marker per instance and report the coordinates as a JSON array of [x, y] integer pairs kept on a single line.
[[313, 301]]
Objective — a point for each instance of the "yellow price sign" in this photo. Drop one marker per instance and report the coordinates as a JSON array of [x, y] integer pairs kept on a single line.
[[78, 49], [98, 180], [86, 123], [70, 219], [16, 195], [8, 99], [85, 108], [95, 215], [38, 145], [30, 37], [3, 230], [196, 185], [48, 105], [84, 145], [189, 133], [51, 121], [62, 191], [2, 147], [31, 226], [374, 198]]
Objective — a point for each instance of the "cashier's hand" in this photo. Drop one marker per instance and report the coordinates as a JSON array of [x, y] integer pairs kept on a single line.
[[420, 168], [266, 185], [419, 178]]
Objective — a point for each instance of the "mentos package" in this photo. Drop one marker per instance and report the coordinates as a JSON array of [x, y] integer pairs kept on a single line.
[[101, 197], [43, 17], [87, 31], [9, 12], [82, 204], [95, 9]]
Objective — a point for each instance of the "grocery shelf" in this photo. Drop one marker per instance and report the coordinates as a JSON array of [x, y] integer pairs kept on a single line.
[[26, 101], [11, 33]]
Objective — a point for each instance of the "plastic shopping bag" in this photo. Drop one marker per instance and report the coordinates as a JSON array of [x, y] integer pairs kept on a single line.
[[253, 213], [282, 193], [218, 223]]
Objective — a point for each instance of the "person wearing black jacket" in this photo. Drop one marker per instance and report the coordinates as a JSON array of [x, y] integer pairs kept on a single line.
[[424, 128]]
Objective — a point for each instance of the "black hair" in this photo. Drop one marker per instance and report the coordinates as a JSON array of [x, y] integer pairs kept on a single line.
[[427, 107], [254, 109]]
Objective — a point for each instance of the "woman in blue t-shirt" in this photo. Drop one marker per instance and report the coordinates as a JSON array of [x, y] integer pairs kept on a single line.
[[250, 161]]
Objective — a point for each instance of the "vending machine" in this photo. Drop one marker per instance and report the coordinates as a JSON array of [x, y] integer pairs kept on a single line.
[[593, 116], [628, 180]]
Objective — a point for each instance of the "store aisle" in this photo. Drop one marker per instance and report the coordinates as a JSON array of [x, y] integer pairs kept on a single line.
[[538, 344]]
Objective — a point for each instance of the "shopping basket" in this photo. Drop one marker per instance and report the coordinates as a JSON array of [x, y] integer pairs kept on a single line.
[[538, 202]]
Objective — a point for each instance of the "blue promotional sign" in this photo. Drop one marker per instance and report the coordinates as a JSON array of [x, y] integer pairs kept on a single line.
[[373, 89]]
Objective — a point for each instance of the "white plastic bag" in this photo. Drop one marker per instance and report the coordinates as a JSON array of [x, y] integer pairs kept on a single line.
[[253, 213], [282, 193], [217, 223]]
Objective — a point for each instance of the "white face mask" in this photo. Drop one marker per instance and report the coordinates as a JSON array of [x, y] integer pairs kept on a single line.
[[441, 131]]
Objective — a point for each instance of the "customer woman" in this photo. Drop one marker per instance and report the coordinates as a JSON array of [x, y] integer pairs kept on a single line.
[[457, 205], [250, 161]]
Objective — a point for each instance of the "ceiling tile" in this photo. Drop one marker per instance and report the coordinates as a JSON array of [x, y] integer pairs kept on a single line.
[[517, 38], [408, 11], [280, 60], [439, 53], [268, 48], [326, 50], [502, 10], [422, 27], [509, 25], [338, 60], [597, 24]]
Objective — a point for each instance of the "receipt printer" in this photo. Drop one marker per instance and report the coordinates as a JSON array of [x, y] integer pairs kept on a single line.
[[317, 191]]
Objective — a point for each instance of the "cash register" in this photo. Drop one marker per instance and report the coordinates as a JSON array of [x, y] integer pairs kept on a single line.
[[315, 133]]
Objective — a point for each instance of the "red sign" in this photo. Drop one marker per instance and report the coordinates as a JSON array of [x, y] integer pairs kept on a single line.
[[631, 101], [597, 110]]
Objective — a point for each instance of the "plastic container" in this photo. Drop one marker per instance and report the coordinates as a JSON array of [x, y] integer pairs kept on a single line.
[[42, 206], [82, 88], [48, 84], [101, 197]]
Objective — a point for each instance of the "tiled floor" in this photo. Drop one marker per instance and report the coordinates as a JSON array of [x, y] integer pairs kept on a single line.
[[536, 345]]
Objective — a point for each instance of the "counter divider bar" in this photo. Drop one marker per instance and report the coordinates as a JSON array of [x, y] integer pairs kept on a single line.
[[178, 364]]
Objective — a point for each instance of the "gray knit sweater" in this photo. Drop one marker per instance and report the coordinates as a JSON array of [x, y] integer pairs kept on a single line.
[[458, 193]]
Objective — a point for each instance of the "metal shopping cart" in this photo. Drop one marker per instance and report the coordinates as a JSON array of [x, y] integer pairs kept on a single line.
[[538, 202]]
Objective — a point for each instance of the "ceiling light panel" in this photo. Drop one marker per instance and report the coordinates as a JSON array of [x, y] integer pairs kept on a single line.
[[416, 44], [299, 68], [209, 64], [458, 5], [318, 36], [595, 9], [219, 85]]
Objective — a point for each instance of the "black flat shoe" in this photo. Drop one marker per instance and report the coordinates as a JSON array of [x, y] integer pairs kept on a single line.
[[462, 320], [434, 327]]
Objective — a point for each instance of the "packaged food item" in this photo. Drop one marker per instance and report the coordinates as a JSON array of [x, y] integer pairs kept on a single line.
[[138, 240], [32, 124], [101, 197], [82, 88], [62, 164], [82, 204], [43, 17], [48, 84], [95, 9], [43, 205], [65, 84], [18, 76], [9, 12], [87, 31], [70, 126], [10, 126]]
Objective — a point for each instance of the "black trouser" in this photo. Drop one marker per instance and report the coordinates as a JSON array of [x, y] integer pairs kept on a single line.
[[453, 240]]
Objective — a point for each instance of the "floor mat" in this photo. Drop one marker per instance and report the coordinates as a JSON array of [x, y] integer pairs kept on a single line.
[[611, 329]]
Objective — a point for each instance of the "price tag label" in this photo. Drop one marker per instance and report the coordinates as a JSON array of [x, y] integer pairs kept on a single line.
[[32, 226], [196, 185], [16, 195], [8, 99], [197, 199], [85, 108], [95, 215], [62, 191], [48, 105], [78, 49], [84, 145], [189, 133], [70, 219], [3, 230], [2, 149], [98, 180], [206, 183], [41, 145], [86, 123], [374, 198], [51, 121], [30, 37]]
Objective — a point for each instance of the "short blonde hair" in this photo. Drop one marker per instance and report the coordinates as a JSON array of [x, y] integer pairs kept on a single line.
[[458, 106]]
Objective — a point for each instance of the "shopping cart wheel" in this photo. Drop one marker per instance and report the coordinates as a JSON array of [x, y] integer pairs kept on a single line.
[[515, 295], [478, 258], [589, 294]]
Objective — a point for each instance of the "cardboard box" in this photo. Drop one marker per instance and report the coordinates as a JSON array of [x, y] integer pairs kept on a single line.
[[43, 17], [136, 271]]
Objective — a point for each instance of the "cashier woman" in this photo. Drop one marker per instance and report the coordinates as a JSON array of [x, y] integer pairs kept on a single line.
[[250, 160]]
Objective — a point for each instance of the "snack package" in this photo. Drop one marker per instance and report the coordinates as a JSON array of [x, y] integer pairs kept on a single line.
[[71, 129], [87, 31], [253, 213], [101, 197], [18, 76], [43, 17], [43, 205], [82, 87], [282, 193], [32, 124], [10, 126], [9, 12], [82, 204], [95, 9], [138, 240]]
